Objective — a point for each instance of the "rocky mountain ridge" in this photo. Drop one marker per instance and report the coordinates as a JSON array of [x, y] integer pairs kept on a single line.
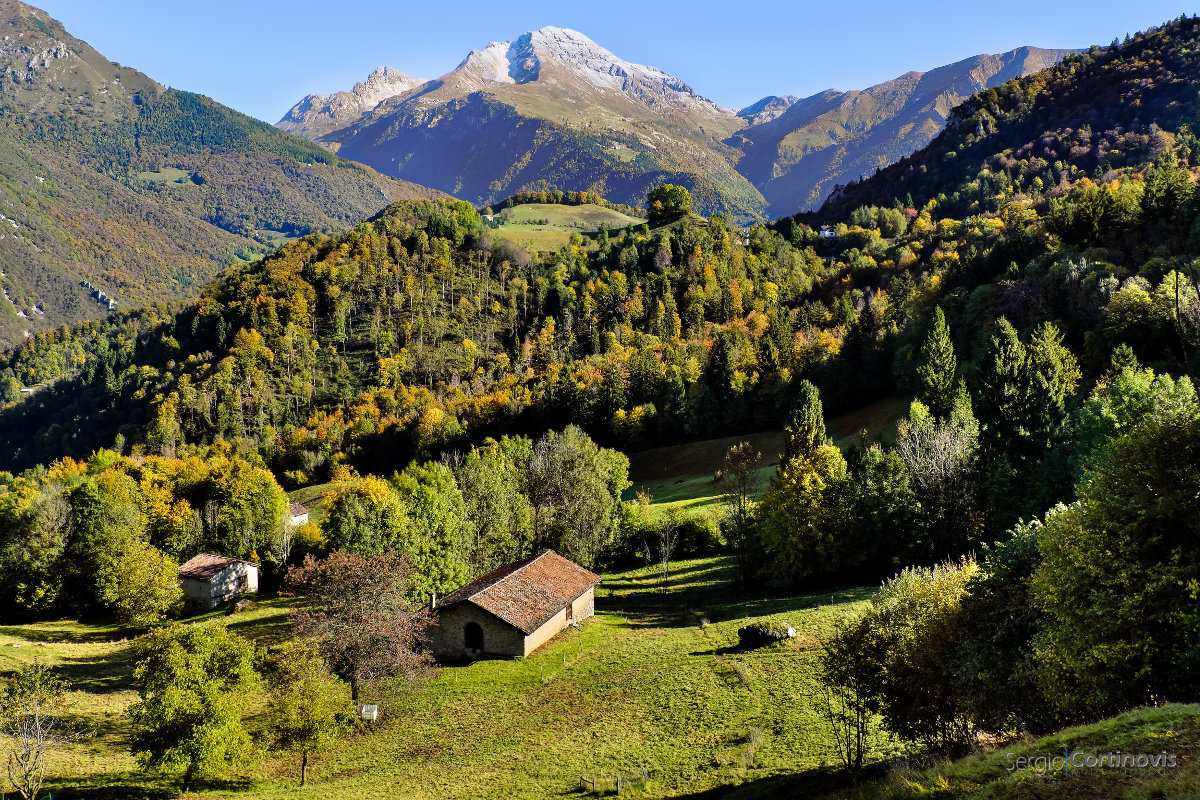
[[618, 127]]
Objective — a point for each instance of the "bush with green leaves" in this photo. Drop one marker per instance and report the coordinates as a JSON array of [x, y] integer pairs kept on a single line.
[[909, 640], [194, 686], [668, 201], [996, 669], [1118, 576]]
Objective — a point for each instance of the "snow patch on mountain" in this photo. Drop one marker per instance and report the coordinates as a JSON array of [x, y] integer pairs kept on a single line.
[[560, 53]]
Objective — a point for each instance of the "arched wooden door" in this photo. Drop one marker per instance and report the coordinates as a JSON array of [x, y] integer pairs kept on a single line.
[[473, 637]]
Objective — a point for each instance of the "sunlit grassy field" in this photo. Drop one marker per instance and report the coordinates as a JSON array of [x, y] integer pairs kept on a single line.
[[310, 498], [680, 477], [652, 682], [1172, 728], [652, 689], [548, 226]]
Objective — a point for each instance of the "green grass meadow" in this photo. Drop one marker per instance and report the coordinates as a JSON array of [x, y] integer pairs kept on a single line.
[[180, 177], [652, 681], [548, 226], [652, 685]]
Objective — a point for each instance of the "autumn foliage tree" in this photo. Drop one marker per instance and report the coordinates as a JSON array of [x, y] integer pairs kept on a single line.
[[356, 610]]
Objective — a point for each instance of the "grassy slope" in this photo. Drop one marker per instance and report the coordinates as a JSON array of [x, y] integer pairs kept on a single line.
[[642, 684], [680, 476], [1172, 728], [522, 225], [650, 681], [99, 660]]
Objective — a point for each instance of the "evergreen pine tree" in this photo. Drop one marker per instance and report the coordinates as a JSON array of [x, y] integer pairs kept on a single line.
[[1003, 397], [806, 432], [936, 373]]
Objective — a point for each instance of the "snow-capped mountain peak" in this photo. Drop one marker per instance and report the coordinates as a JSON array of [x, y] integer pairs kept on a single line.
[[568, 56]]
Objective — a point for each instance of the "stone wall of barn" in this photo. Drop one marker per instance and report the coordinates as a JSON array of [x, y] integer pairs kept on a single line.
[[549, 629], [584, 605], [448, 636], [234, 580]]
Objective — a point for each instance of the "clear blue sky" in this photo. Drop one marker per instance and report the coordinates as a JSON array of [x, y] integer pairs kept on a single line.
[[261, 56]]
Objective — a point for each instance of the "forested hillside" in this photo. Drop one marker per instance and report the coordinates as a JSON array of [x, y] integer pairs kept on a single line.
[[144, 192], [416, 332], [1030, 281]]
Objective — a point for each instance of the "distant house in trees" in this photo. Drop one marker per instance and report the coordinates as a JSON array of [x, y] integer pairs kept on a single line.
[[298, 514], [826, 232], [513, 610], [208, 580]]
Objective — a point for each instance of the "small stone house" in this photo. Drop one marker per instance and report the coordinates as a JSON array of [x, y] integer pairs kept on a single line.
[[208, 580], [297, 515], [513, 610]]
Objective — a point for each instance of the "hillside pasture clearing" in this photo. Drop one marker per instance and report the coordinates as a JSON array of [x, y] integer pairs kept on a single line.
[[548, 226], [584, 218], [310, 498], [680, 477], [653, 681]]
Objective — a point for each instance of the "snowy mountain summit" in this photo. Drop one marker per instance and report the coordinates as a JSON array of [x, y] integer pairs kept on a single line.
[[568, 58]]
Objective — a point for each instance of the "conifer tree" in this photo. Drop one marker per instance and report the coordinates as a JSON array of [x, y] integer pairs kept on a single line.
[[1003, 397], [806, 432], [936, 372], [801, 512]]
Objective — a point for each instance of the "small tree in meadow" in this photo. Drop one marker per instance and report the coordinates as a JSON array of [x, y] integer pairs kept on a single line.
[[32, 710], [195, 684], [739, 482], [308, 707], [668, 536]]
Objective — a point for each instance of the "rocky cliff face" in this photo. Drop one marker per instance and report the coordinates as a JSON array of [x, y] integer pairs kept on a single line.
[[767, 109], [320, 113]]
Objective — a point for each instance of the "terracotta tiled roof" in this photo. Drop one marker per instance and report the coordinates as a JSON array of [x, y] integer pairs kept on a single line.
[[296, 510], [526, 593], [206, 566]]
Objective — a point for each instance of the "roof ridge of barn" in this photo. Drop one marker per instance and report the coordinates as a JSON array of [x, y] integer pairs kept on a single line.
[[207, 565], [510, 594]]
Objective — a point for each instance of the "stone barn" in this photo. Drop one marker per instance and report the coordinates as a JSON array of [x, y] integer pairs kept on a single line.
[[513, 610], [208, 580]]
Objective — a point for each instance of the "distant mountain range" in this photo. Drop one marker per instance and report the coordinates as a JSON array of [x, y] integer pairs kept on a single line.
[[554, 109], [113, 185]]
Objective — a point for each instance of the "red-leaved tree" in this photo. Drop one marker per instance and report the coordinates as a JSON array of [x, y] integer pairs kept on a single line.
[[355, 607]]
